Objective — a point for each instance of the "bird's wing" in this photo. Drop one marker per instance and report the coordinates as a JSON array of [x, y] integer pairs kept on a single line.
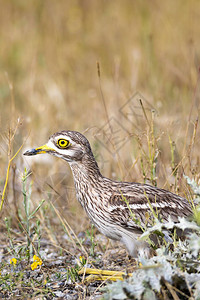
[[135, 205]]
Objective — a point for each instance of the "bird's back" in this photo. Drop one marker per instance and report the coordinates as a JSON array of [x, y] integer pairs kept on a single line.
[[144, 201]]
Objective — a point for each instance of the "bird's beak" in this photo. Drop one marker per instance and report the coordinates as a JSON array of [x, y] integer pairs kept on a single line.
[[39, 150]]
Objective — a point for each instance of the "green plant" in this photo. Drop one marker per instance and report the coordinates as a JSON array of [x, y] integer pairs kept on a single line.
[[72, 273], [149, 154], [170, 272], [90, 235], [29, 214]]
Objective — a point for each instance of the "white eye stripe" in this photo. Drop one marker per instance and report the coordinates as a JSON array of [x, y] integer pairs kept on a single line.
[[63, 137], [51, 144]]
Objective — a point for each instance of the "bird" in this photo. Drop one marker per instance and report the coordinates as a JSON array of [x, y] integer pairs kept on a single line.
[[119, 210]]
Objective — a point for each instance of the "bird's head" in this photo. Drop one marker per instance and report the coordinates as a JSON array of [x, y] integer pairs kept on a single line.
[[68, 145]]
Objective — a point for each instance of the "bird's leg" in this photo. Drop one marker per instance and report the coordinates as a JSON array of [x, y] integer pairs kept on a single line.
[[131, 245]]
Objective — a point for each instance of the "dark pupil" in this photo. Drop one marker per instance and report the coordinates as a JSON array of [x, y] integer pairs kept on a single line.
[[62, 142]]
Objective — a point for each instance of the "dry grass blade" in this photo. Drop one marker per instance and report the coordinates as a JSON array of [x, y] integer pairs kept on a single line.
[[68, 228], [7, 176], [173, 291]]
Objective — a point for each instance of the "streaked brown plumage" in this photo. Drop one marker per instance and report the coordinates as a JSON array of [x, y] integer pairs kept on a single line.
[[105, 200]]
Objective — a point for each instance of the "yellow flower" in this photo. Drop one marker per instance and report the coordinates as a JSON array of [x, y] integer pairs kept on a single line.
[[36, 262], [82, 260], [34, 265], [13, 261]]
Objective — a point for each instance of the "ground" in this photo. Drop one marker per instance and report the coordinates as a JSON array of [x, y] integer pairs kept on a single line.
[[58, 277]]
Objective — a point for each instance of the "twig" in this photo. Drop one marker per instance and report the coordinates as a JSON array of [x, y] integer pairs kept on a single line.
[[7, 176]]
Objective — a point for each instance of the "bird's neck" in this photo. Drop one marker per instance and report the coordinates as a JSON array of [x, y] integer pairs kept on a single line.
[[85, 171], [86, 179]]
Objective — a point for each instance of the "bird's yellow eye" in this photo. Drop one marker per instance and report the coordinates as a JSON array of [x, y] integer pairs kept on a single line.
[[62, 143]]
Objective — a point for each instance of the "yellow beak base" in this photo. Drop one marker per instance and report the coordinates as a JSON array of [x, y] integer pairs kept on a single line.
[[39, 150]]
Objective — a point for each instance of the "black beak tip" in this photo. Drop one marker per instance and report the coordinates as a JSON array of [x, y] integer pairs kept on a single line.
[[30, 152]]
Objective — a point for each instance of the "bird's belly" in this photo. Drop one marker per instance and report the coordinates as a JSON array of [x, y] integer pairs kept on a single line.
[[103, 224], [106, 229], [99, 217]]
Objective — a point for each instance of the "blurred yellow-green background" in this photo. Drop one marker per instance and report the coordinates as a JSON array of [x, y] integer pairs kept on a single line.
[[49, 81]]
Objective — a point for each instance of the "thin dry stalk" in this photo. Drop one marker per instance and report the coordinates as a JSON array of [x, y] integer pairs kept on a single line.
[[68, 228]]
